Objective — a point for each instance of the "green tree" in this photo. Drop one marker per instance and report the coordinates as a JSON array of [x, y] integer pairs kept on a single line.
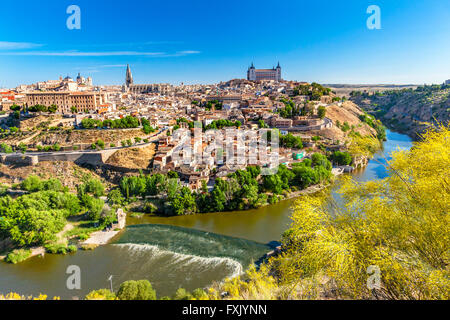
[[321, 112], [136, 290], [32, 184]]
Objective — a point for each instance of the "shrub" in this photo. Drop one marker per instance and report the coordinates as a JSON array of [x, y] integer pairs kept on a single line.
[[101, 144], [341, 158], [102, 294], [136, 290], [55, 248], [182, 294], [89, 246], [5, 148], [32, 184], [18, 255]]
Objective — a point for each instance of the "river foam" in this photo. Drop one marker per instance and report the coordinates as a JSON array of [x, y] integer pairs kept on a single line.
[[178, 262]]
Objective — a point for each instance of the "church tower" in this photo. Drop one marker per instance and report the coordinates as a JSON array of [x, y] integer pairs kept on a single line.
[[251, 74], [278, 72], [129, 77]]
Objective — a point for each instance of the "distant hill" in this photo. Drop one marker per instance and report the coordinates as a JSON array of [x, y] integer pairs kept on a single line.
[[409, 110]]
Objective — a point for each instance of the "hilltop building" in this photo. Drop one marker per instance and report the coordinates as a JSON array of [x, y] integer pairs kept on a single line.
[[254, 74]]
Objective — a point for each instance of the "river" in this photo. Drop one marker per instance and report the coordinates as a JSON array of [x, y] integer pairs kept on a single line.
[[186, 251]]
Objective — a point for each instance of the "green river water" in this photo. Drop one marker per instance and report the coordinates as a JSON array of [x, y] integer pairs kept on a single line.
[[187, 251]]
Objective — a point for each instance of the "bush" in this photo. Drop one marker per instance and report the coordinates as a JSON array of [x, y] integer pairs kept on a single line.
[[199, 294], [136, 290], [18, 255], [56, 248], [182, 294], [5, 148], [56, 147], [89, 246], [101, 144], [321, 112], [341, 158], [32, 184], [102, 294]]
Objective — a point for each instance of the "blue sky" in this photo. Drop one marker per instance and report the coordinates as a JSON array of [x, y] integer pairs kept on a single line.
[[196, 41]]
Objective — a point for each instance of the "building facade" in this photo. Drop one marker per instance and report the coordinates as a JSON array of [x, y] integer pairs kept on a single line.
[[254, 74], [162, 88], [82, 101]]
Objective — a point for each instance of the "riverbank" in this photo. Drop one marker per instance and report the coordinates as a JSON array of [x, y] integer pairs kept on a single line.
[[165, 270]]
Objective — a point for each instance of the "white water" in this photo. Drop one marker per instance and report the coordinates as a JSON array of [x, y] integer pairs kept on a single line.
[[148, 255]]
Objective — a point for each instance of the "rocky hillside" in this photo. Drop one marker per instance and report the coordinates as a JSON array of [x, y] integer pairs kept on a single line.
[[346, 117], [409, 111]]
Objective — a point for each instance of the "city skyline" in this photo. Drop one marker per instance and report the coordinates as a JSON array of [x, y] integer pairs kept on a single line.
[[192, 43]]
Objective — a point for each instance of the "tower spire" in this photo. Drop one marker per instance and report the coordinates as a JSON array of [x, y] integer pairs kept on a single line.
[[128, 77]]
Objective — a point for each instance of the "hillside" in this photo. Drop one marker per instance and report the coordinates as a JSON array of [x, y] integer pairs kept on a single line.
[[409, 111], [346, 117]]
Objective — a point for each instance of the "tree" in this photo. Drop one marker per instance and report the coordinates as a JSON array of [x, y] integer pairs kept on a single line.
[[182, 294], [341, 158], [100, 143], [94, 206], [320, 160], [52, 108], [399, 226], [32, 184], [291, 141], [321, 112], [136, 290], [115, 197], [22, 147], [91, 186], [5, 148]]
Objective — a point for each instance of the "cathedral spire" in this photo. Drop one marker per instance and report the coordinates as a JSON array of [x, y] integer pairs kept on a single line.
[[128, 77]]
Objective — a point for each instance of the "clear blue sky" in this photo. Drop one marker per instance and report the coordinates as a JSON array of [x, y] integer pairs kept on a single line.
[[195, 41]]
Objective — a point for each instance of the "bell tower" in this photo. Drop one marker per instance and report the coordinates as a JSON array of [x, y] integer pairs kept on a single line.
[[128, 77]]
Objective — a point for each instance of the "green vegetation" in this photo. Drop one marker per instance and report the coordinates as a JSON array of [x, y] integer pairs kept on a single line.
[[18, 255], [241, 190], [146, 127], [126, 122], [314, 91], [395, 230], [222, 123], [60, 248], [321, 112], [5, 148], [42, 108], [136, 290], [34, 219], [291, 141], [341, 158], [376, 124], [143, 290]]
